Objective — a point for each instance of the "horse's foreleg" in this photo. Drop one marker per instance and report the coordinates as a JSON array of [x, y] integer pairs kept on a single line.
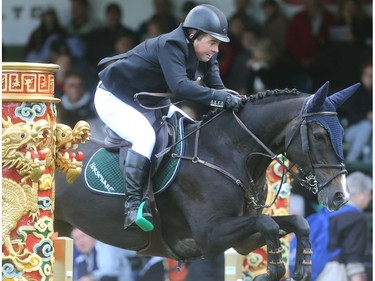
[[227, 232], [275, 266], [300, 227]]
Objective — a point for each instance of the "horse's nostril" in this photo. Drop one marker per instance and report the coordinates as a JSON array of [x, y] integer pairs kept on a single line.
[[339, 199]]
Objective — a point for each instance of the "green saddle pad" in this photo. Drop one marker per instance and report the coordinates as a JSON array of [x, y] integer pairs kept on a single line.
[[103, 174]]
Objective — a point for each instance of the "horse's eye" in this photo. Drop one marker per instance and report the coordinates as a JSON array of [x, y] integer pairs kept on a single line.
[[63, 135], [22, 135], [319, 133], [320, 136]]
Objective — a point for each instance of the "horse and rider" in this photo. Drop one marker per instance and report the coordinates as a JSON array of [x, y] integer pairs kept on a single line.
[[215, 202], [171, 63]]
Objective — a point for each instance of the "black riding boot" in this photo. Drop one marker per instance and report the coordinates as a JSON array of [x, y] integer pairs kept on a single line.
[[137, 169]]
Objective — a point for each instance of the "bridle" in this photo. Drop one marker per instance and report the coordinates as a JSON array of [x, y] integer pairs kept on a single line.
[[308, 180], [305, 179]]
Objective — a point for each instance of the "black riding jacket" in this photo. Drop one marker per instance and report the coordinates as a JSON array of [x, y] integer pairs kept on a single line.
[[166, 63]]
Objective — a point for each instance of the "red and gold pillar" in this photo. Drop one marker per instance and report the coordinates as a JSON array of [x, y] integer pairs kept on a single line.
[[29, 158]]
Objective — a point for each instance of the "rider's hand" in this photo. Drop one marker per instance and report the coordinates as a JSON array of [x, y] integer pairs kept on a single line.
[[228, 101], [234, 103]]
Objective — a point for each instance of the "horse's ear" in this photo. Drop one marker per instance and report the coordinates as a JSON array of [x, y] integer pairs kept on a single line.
[[340, 97], [319, 97]]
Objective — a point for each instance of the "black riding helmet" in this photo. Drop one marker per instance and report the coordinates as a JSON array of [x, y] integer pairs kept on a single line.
[[208, 19]]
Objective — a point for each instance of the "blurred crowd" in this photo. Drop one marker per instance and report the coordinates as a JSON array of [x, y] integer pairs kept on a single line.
[[301, 51], [97, 261]]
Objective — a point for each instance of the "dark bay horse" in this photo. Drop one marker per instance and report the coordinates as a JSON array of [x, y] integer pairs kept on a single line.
[[208, 210]]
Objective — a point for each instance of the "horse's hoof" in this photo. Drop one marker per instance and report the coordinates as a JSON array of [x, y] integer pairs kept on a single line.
[[302, 275]]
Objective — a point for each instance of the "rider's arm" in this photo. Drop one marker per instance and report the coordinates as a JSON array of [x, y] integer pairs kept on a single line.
[[174, 59]]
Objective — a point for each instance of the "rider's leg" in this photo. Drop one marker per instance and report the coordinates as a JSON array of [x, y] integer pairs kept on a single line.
[[131, 125], [136, 173]]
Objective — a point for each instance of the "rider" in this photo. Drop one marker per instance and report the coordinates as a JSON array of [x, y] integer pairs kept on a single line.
[[168, 63]]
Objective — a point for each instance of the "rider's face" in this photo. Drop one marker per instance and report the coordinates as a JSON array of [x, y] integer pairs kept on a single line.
[[205, 47]]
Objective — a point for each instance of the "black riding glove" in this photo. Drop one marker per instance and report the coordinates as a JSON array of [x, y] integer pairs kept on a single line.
[[234, 103], [228, 101]]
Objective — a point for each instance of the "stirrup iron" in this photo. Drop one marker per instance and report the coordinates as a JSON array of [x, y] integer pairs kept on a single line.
[[143, 223]]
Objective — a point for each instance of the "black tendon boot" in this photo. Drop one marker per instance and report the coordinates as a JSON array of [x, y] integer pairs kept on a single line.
[[137, 169]]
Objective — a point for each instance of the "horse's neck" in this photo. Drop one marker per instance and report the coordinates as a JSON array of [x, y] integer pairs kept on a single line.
[[270, 123], [224, 141]]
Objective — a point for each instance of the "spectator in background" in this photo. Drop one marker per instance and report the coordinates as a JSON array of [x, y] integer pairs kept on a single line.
[[359, 116], [261, 76], [239, 74], [40, 40], [241, 9], [63, 60], [162, 16], [80, 26], [81, 22], [355, 24], [228, 51], [104, 37], [275, 28], [76, 102], [252, 69], [349, 232], [124, 43], [308, 36], [156, 26], [59, 46], [96, 261], [186, 7], [351, 44], [236, 26], [61, 55]]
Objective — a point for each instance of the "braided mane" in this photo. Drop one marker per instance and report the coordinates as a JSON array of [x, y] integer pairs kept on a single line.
[[259, 97], [273, 93]]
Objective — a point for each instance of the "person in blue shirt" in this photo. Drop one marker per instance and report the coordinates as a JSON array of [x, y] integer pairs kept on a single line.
[[97, 261], [349, 232]]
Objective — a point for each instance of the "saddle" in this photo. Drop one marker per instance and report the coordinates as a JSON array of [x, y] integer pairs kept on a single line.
[[103, 170], [103, 174]]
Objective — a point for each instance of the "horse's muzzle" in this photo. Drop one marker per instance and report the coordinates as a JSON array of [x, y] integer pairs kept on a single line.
[[339, 199]]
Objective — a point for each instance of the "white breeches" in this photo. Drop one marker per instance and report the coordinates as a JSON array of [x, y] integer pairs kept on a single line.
[[125, 121]]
